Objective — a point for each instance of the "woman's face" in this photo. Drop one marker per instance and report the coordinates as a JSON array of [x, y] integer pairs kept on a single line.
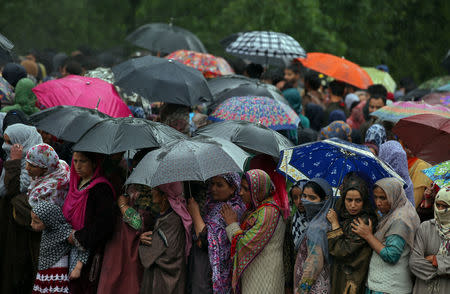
[[220, 189], [296, 194], [84, 167], [34, 171], [310, 195], [36, 223], [245, 192], [381, 200], [157, 196], [353, 202], [441, 205], [7, 139]]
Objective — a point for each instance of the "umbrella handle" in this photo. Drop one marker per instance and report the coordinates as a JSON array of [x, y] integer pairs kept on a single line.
[[98, 103]]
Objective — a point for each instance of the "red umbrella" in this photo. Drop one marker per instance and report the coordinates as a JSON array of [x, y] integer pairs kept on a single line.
[[426, 135]]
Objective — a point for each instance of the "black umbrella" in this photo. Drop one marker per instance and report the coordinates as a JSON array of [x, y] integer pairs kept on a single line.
[[230, 39], [68, 123], [126, 133], [165, 38], [250, 136], [165, 80]]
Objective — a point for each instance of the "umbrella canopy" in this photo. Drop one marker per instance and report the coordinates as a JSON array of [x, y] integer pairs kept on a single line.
[[121, 134], [338, 68], [194, 159], [435, 83], [211, 66], [437, 98], [251, 136], [230, 39], [5, 44], [165, 38], [68, 123], [226, 87], [426, 135], [159, 79], [439, 174], [331, 160], [266, 111], [265, 47], [381, 77], [6, 92], [84, 92], [399, 110]]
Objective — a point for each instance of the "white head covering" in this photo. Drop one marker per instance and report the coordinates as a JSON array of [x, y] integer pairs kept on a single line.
[[349, 99]]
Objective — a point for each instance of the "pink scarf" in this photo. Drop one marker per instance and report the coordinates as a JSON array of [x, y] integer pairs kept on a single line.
[[174, 192], [74, 207]]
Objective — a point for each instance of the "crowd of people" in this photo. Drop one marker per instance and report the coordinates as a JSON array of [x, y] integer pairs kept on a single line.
[[69, 225]]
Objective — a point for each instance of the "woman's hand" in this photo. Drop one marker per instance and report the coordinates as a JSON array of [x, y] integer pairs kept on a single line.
[[228, 214], [146, 238], [192, 207], [70, 239], [361, 229], [333, 219], [122, 202], [16, 152]]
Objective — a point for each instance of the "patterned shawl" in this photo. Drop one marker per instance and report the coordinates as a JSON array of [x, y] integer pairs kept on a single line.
[[259, 225], [337, 129], [54, 184], [218, 243], [402, 218], [442, 218], [376, 134]]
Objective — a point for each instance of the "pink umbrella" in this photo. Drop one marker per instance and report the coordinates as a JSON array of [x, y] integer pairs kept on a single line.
[[82, 91]]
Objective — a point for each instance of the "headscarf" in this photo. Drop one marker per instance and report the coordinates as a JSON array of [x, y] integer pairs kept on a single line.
[[299, 221], [295, 100], [335, 115], [54, 184], [376, 134], [337, 129], [26, 136], [14, 117], [218, 243], [350, 99], [174, 193], [24, 99], [74, 208], [393, 154], [402, 218], [13, 73], [356, 118], [315, 115], [260, 186], [442, 218], [54, 243]]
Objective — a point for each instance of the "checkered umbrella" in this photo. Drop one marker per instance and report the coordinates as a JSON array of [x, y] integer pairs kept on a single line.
[[266, 48]]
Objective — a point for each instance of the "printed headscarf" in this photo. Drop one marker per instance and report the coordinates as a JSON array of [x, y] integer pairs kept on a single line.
[[442, 218], [337, 129], [53, 185], [260, 186], [376, 134]]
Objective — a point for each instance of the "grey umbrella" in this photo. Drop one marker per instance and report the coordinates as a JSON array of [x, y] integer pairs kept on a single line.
[[194, 159], [125, 133], [251, 136]]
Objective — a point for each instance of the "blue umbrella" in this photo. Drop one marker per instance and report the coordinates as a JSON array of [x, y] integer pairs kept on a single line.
[[331, 160]]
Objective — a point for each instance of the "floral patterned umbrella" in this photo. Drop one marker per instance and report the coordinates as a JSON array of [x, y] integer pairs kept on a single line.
[[399, 110], [6, 92], [439, 174], [259, 109], [210, 65]]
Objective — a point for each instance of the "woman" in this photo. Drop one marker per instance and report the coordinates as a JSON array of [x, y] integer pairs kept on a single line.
[[24, 99], [210, 263], [430, 256], [164, 250], [393, 240], [351, 254], [89, 208], [418, 178], [257, 244], [337, 129], [19, 245], [392, 153], [299, 221], [311, 270], [49, 175]]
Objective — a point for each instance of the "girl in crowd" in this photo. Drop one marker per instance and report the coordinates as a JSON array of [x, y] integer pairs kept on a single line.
[[256, 244], [430, 256], [393, 240], [299, 221]]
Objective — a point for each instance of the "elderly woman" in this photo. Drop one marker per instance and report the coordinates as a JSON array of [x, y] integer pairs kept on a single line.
[[89, 208], [19, 245], [257, 243], [210, 262], [393, 240], [430, 256]]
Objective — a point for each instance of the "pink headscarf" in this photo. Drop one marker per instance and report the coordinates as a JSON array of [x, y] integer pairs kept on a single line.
[[174, 192], [74, 207]]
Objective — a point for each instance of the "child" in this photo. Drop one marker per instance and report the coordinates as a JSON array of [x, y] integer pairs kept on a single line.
[[54, 261], [299, 222]]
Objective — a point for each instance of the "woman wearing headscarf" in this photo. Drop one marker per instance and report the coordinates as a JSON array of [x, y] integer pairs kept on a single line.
[[375, 136], [393, 239], [356, 118], [257, 243], [24, 99], [312, 270], [430, 257], [163, 252], [89, 208], [49, 175], [210, 263], [392, 153], [351, 253], [418, 178], [19, 245], [337, 129]]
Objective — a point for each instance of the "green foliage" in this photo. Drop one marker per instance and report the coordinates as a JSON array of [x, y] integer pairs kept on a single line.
[[410, 36]]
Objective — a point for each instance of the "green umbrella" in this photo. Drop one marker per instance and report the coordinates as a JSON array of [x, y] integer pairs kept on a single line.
[[381, 77], [435, 82]]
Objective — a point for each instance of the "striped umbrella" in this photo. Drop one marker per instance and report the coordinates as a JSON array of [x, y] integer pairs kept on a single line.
[[399, 110]]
